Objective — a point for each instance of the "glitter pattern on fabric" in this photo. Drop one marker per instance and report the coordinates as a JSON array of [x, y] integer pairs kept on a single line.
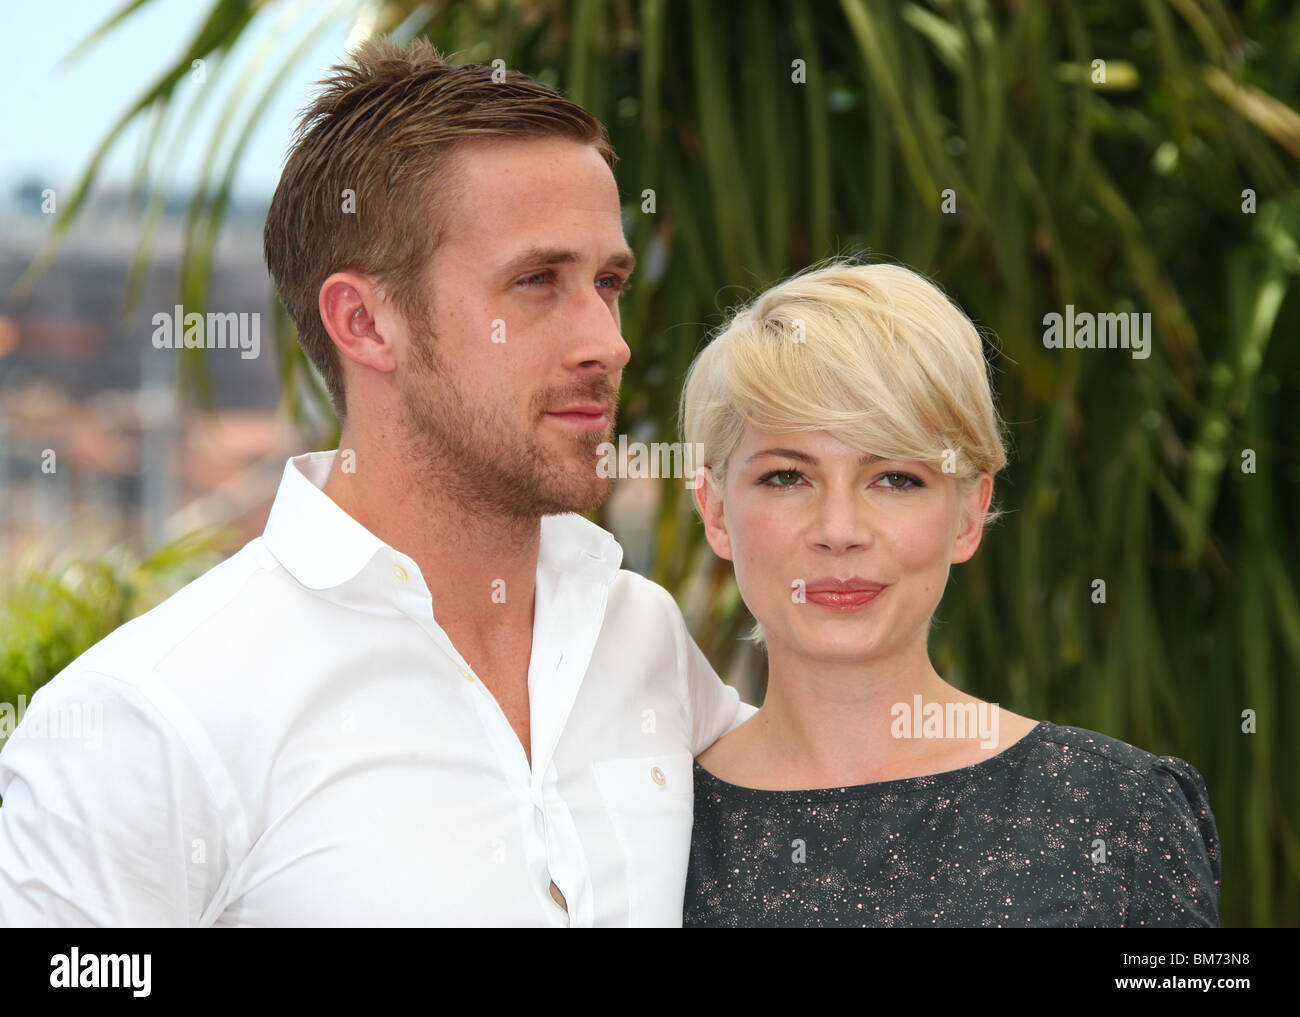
[[1066, 827]]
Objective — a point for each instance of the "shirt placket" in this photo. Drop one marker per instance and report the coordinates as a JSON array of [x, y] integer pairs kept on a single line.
[[566, 858], [529, 798], [546, 828]]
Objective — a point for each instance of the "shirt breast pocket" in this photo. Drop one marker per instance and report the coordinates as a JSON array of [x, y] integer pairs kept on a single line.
[[650, 801]]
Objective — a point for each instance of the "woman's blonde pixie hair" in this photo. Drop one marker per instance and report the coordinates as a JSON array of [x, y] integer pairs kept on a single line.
[[876, 355]]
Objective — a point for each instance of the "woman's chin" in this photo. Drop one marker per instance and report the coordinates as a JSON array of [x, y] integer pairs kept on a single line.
[[833, 643]]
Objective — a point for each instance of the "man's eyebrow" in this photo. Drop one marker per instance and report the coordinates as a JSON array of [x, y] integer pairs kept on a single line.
[[536, 256], [622, 259], [803, 457]]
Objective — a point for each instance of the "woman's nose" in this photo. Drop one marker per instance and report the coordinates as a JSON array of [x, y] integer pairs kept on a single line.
[[842, 523]]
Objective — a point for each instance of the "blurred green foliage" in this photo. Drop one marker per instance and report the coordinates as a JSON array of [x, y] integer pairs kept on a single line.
[[1119, 186], [53, 611]]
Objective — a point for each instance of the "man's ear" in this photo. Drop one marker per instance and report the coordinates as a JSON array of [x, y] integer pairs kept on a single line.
[[974, 505], [359, 321], [710, 506]]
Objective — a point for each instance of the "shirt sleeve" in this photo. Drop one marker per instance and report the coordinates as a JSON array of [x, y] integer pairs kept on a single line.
[[713, 707], [1177, 865], [105, 817]]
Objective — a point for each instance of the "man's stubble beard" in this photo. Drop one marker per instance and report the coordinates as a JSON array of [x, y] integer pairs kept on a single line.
[[473, 454]]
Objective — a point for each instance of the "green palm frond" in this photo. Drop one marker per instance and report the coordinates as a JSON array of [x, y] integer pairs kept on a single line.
[[1122, 192]]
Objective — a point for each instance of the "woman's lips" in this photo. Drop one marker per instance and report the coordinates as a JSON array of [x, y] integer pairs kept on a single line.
[[850, 600]]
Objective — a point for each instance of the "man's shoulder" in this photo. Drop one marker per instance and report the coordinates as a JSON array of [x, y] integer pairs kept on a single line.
[[173, 676], [634, 584], [632, 593], [139, 649]]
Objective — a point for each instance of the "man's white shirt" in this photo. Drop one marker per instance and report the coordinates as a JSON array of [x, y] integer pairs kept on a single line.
[[293, 740]]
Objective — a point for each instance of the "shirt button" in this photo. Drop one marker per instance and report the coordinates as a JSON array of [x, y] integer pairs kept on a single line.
[[657, 775], [400, 573]]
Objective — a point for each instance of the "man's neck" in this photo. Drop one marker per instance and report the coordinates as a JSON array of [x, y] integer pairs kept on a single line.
[[480, 568]]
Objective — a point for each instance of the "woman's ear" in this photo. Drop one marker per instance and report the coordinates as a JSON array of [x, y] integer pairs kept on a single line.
[[709, 502], [973, 505]]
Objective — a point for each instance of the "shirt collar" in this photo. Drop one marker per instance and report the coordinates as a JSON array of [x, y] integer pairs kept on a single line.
[[322, 546]]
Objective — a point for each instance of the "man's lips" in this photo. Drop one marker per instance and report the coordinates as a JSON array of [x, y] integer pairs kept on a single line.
[[843, 594], [587, 417]]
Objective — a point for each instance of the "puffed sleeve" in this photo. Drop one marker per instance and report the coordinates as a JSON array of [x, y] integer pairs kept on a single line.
[[1177, 864], [106, 818]]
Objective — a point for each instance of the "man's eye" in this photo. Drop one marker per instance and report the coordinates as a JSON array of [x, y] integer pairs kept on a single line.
[[528, 280], [616, 283]]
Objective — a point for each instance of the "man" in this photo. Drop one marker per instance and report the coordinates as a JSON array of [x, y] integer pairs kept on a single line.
[[427, 694]]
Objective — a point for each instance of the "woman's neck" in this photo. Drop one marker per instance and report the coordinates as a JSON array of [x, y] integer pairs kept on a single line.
[[837, 724], [827, 717]]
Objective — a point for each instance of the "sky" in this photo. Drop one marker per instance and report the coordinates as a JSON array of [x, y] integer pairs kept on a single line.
[[53, 118]]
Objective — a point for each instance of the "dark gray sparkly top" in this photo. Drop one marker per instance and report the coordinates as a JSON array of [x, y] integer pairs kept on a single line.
[[1066, 827]]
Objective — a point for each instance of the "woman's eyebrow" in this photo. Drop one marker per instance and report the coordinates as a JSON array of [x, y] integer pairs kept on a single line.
[[803, 457]]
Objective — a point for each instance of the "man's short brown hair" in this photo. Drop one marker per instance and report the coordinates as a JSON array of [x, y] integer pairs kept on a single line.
[[383, 127]]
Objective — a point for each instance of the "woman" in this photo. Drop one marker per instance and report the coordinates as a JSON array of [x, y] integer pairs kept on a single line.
[[849, 445]]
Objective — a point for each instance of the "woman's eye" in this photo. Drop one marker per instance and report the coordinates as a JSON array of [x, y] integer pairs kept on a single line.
[[794, 477], [900, 481]]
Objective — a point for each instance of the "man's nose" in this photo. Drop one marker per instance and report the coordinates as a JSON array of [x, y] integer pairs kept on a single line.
[[597, 336]]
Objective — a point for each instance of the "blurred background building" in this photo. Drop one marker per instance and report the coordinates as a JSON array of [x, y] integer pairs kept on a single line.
[[96, 443]]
